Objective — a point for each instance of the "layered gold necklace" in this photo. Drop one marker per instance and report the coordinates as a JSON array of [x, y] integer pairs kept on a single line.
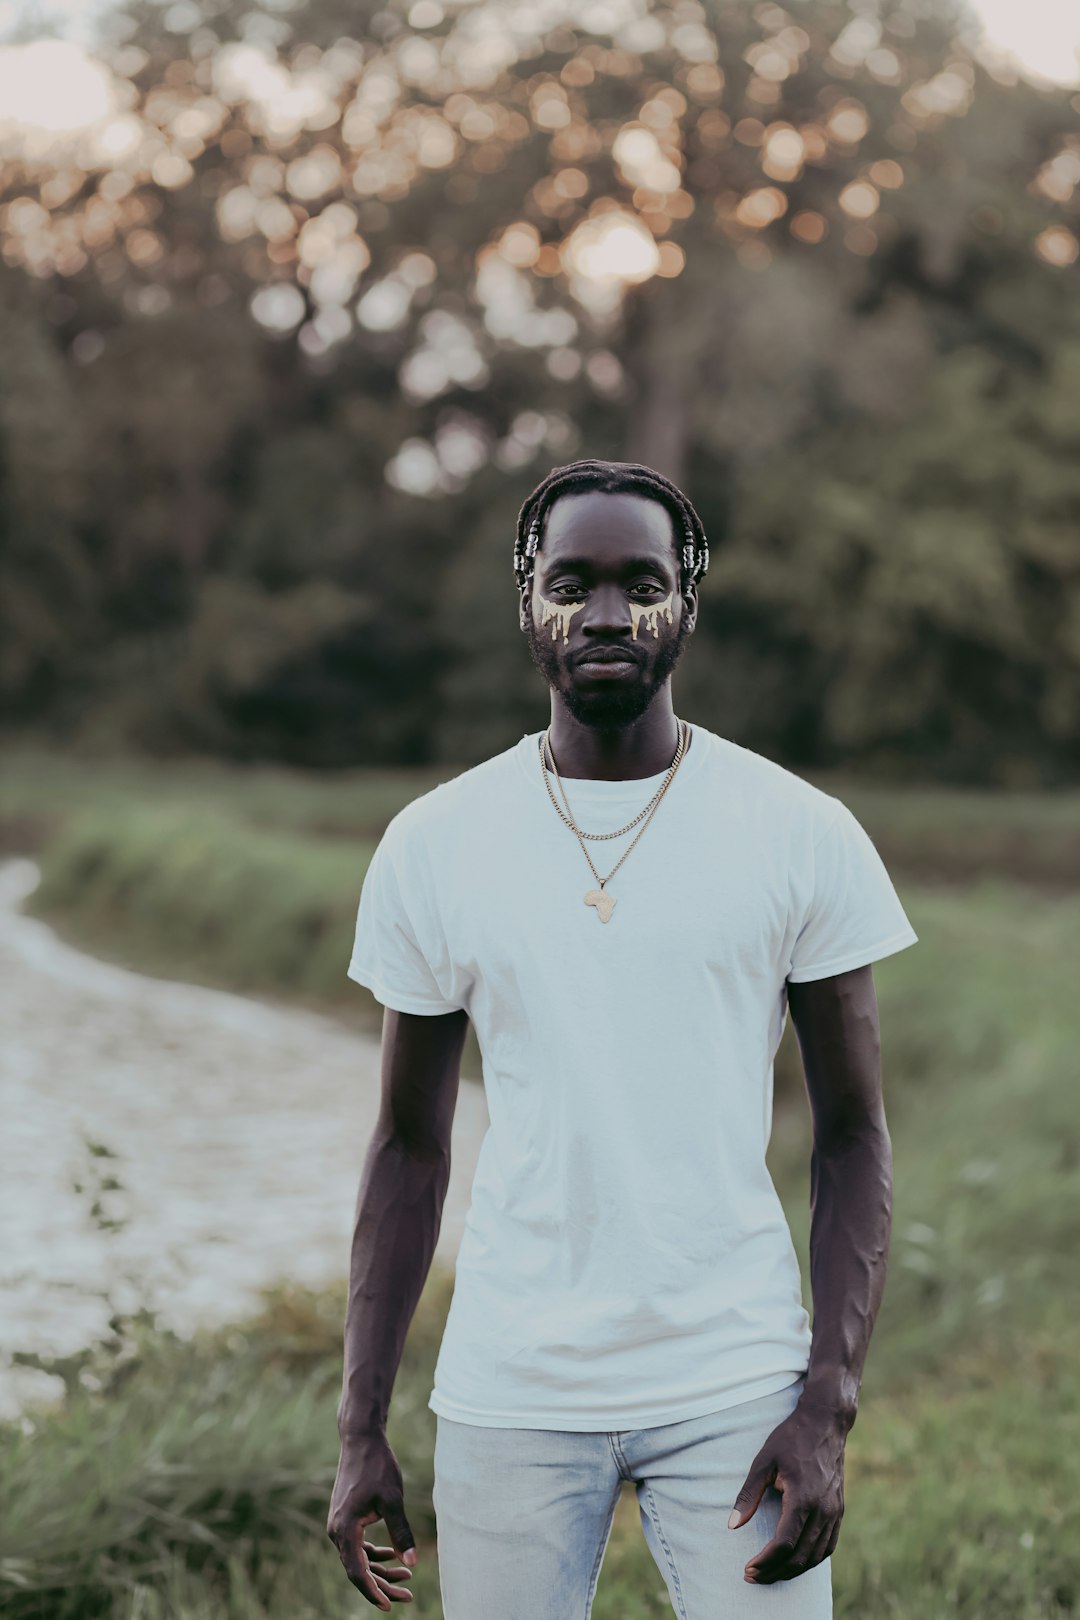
[[605, 903]]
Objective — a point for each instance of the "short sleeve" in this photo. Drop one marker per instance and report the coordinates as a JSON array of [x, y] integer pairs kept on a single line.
[[854, 915], [399, 952]]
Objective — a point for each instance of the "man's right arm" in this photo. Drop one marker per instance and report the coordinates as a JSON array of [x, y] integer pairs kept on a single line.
[[398, 1216], [399, 1207]]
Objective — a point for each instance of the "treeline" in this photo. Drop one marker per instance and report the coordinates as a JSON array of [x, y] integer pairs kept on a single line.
[[287, 342]]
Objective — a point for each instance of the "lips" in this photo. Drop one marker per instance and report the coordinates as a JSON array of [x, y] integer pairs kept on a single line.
[[607, 656]]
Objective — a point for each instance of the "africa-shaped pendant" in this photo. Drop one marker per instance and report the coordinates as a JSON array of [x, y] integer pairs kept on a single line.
[[604, 903]]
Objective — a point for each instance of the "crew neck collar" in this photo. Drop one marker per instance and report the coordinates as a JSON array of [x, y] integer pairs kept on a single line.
[[582, 789]]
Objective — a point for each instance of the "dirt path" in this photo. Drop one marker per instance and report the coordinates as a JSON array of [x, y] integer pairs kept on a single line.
[[240, 1129]]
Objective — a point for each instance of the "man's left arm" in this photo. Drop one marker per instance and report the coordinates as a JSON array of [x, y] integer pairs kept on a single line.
[[836, 1022]]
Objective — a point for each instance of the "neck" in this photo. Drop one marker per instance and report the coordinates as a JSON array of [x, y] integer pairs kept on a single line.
[[616, 753]]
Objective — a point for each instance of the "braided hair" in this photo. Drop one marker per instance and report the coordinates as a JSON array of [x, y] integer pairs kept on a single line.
[[613, 478]]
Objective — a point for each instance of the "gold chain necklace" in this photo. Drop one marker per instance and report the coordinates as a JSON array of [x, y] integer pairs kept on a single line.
[[605, 903], [545, 742]]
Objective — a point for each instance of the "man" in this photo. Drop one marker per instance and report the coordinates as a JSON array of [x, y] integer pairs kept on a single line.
[[627, 1301]]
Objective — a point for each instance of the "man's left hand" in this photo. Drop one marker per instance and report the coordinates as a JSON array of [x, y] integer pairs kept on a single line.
[[803, 1458]]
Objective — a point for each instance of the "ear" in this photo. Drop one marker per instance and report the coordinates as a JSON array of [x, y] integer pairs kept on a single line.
[[690, 605], [525, 605]]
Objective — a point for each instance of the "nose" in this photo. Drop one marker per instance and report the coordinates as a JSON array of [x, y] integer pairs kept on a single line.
[[606, 613]]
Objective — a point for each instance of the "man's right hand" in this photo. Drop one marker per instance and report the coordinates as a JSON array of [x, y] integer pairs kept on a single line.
[[369, 1487]]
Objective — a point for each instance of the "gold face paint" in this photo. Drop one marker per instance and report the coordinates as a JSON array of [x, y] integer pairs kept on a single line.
[[557, 611], [649, 611], [561, 613]]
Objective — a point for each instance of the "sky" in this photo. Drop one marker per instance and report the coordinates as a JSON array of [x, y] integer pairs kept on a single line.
[[1043, 36]]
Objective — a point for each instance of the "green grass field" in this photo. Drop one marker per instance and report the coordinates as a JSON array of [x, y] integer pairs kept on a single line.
[[190, 1480], [248, 879]]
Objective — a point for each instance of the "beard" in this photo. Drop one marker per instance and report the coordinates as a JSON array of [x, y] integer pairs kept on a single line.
[[605, 705]]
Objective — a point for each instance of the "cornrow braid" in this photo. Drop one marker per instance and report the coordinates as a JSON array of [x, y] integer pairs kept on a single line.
[[613, 478]]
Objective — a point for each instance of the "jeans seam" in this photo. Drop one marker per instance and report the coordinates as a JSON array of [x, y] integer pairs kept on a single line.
[[655, 1516], [621, 1463], [600, 1556]]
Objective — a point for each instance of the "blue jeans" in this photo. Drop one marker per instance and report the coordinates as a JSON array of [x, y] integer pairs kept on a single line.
[[523, 1516]]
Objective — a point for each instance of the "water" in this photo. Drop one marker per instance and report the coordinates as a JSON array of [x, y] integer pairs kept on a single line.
[[240, 1129]]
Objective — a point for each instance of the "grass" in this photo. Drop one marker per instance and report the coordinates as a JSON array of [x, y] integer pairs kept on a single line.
[[190, 1479], [245, 880], [194, 1481], [248, 878]]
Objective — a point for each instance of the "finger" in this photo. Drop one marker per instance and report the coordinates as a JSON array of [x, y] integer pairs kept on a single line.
[[746, 1502], [803, 1555], [365, 1582], [388, 1574], [392, 1573], [398, 1527], [394, 1593], [785, 1565], [384, 1555], [387, 1577], [820, 1553], [765, 1564], [357, 1568]]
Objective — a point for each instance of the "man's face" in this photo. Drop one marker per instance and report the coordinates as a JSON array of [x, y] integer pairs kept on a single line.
[[607, 580]]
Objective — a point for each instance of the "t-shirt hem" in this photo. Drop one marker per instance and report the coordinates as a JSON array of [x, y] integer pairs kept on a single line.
[[609, 1422], [854, 959], [396, 1000]]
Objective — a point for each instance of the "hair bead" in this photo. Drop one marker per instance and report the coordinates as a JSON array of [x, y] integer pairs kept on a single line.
[[611, 477]]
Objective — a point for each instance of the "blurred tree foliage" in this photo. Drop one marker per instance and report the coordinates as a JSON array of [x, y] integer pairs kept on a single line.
[[289, 338]]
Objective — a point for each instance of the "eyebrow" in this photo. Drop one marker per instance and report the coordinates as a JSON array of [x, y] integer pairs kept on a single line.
[[585, 565]]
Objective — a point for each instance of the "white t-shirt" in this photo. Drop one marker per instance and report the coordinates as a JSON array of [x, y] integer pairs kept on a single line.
[[625, 1261]]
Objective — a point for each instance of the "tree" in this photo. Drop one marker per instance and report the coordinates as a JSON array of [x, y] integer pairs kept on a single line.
[[338, 287]]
